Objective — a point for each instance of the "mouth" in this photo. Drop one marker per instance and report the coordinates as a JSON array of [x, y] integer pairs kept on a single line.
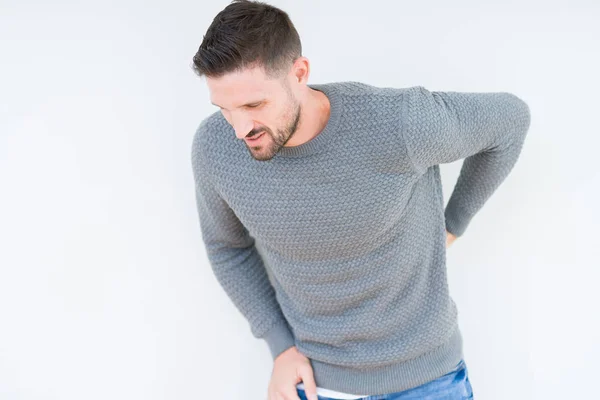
[[255, 137]]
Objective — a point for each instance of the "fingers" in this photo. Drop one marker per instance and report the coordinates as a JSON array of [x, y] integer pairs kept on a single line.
[[310, 387], [293, 395], [285, 395], [289, 368]]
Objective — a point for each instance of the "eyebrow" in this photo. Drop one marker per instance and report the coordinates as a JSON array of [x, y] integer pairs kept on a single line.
[[243, 105]]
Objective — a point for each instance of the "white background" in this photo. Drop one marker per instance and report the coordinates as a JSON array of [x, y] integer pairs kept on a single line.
[[105, 288]]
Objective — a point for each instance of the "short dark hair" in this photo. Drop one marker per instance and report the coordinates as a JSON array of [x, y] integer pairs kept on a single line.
[[247, 34]]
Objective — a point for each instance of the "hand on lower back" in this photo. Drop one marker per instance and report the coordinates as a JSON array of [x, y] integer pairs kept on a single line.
[[450, 238], [290, 368]]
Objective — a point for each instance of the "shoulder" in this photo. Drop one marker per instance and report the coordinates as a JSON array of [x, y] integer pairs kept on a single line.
[[212, 130], [360, 88], [208, 132], [369, 96], [208, 128], [354, 88]]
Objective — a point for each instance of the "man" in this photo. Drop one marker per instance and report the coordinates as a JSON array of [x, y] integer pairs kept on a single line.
[[325, 222]]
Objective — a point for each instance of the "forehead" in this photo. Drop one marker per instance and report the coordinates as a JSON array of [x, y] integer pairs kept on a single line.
[[236, 88]]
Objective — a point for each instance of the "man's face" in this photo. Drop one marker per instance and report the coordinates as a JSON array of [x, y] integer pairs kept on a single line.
[[264, 112]]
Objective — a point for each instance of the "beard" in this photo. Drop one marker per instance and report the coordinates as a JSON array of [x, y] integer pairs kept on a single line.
[[275, 140]]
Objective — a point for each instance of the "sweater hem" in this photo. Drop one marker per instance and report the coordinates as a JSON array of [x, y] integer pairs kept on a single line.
[[394, 377]]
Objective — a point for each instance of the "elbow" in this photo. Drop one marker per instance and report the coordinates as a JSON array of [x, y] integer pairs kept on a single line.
[[522, 113], [519, 116]]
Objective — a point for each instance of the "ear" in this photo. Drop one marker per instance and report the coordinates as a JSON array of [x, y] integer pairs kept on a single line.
[[301, 70]]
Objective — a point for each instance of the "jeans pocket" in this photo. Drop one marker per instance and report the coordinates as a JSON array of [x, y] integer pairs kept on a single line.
[[468, 388]]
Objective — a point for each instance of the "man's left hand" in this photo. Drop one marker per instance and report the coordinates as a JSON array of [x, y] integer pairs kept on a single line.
[[450, 238]]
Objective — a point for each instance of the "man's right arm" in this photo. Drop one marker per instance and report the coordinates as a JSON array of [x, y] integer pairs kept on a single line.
[[486, 129], [234, 258]]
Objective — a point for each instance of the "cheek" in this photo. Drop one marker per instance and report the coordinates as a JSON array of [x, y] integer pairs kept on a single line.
[[266, 119], [279, 117]]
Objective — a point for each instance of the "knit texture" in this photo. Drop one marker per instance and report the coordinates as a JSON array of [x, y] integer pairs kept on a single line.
[[337, 246]]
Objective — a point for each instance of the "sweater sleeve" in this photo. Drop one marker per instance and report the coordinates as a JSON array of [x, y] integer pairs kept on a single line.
[[235, 260], [487, 130]]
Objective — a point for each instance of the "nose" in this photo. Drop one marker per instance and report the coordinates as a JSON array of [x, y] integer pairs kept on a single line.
[[242, 126]]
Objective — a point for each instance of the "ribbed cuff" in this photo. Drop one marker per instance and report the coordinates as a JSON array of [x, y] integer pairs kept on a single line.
[[456, 221], [279, 338]]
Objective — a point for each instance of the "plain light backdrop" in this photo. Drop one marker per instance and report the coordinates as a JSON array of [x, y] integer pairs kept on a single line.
[[105, 288]]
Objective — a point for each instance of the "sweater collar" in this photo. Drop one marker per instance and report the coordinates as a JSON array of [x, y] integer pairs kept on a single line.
[[325, 136]]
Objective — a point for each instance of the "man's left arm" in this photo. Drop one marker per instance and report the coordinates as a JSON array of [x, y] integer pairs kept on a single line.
[[487, 130]]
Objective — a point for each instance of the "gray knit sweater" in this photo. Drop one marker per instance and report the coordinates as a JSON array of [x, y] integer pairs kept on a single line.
[[337, 246]]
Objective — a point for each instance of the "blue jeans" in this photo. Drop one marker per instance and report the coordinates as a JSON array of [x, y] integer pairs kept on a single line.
[[454, 385]]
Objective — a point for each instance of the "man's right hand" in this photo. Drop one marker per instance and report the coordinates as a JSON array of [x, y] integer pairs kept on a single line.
[[290, 368]]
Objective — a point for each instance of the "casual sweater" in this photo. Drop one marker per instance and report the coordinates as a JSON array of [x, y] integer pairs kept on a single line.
[[338, 246]]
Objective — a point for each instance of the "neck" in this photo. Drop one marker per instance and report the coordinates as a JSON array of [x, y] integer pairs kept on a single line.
[[314, 114]]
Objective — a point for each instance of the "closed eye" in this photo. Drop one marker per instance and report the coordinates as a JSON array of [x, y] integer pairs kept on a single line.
[[249, 105]]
